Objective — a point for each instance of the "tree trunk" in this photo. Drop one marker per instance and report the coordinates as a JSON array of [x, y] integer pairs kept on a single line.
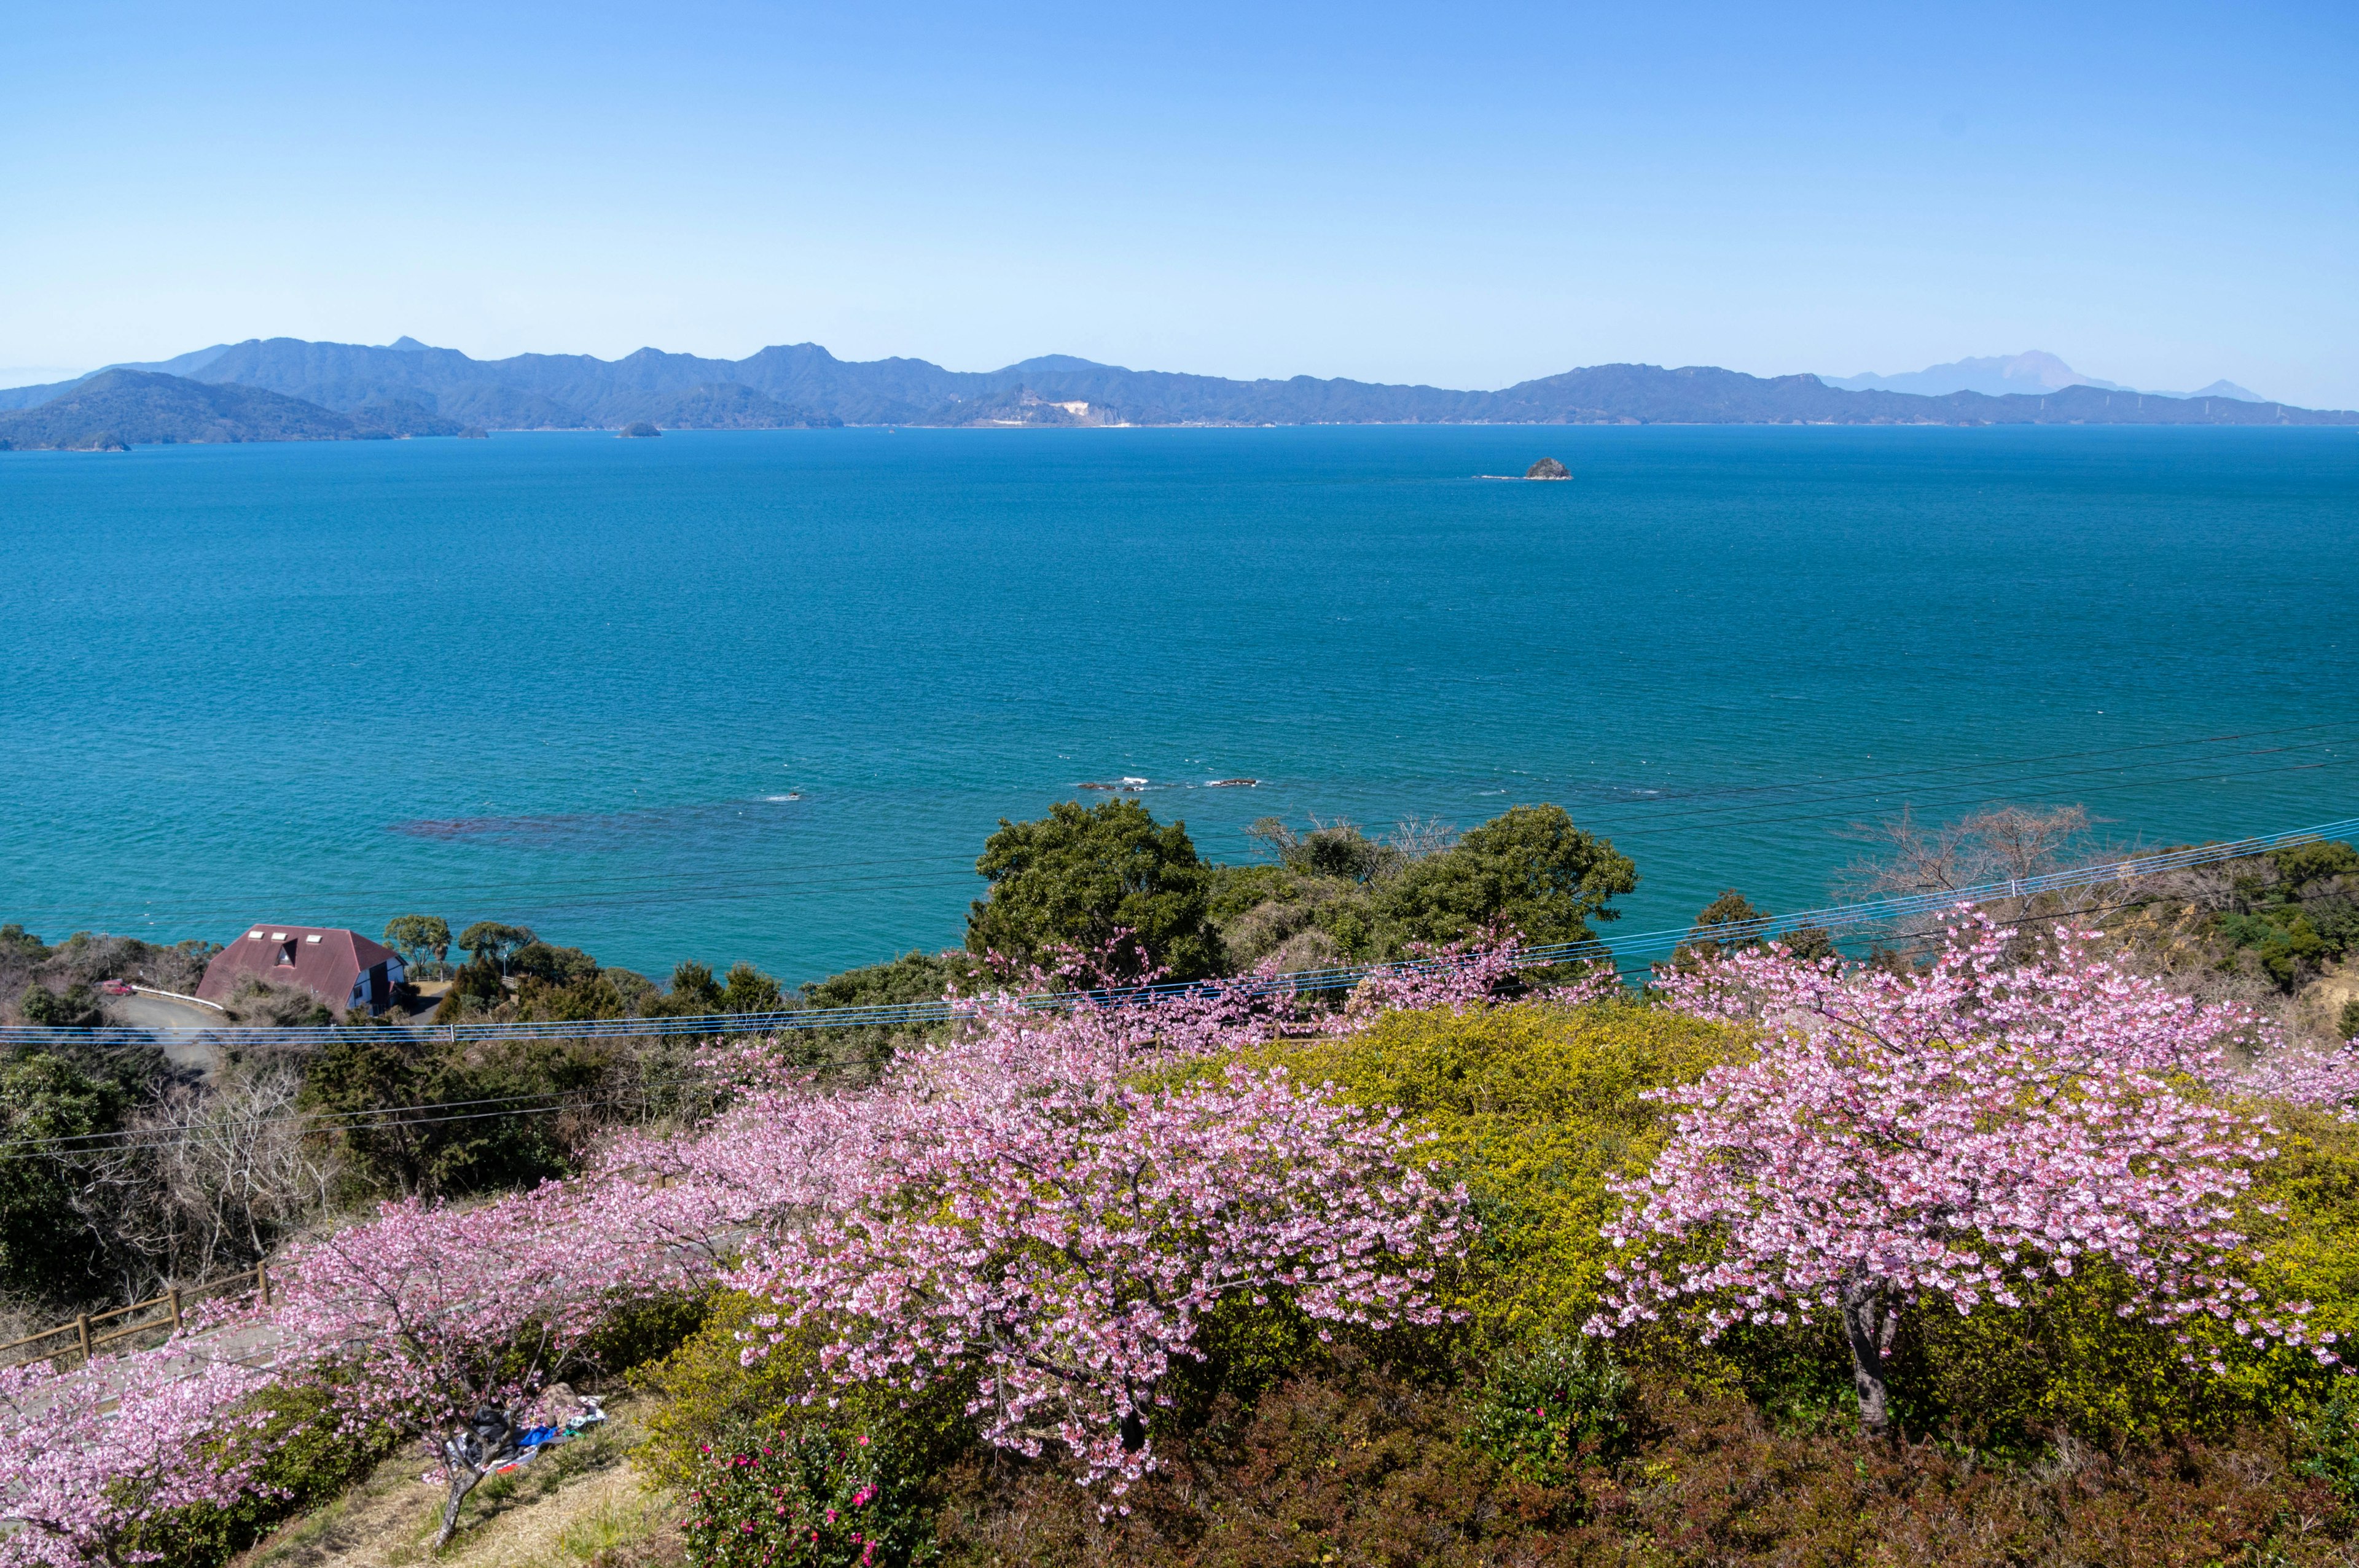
[[463, 1476], [1868, 1322]]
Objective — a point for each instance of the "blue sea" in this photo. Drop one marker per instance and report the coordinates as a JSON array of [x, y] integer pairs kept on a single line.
[[762, 694]]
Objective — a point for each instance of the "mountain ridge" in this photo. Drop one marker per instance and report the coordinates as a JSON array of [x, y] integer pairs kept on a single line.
[[794, 385], [120, 408]]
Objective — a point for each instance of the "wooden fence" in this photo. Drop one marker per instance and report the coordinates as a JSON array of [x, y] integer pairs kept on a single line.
[[164, 1315]]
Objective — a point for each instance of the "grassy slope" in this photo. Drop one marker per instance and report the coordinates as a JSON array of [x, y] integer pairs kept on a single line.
[[583, 1502]]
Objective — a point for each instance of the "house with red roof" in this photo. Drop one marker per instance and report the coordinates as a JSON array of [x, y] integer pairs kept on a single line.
[[342, 968]]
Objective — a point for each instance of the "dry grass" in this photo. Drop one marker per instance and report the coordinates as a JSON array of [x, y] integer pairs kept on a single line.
[[582, 1505]]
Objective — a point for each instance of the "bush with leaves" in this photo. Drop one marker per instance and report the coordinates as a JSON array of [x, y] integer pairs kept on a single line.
[[1548, 1407], [827, 1496]]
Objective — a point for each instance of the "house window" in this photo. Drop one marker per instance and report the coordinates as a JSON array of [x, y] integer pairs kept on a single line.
[[287, 952]]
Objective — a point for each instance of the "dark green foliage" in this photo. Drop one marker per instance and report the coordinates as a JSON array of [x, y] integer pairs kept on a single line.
[[828, 1497], [44, 1251], [748, 989], [1810, 942], [2347, 1026], [2329, 1440], [477, 1116], [18, 943], [2294, 910], [1246, 1350], [2311, 862], [694, 990], [1703, 943], [1066, 883], [1548, 1407], [912, 977], [493, 940], [861, 1049], [1337, 849], [420, 939], [551, 966], [74, 1008], [1531, 870], [599, 994], [476, 985], [645, 1331]]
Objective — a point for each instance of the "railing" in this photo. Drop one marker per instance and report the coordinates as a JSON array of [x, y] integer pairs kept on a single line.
[[88, 1337]]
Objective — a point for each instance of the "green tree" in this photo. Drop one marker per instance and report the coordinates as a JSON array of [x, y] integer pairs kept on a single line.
[[554, 965], [1073, 879], [491, 937], [693, 989], [1704, 940], [516, 1109], [420, 939], [73, 1008], [1531, 869], [42, 1097], [750, 990]]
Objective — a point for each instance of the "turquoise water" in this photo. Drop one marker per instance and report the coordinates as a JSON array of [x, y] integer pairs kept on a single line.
[[762, 694]]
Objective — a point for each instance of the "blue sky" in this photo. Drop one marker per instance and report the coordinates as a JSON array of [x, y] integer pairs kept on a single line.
[[1464, 195]]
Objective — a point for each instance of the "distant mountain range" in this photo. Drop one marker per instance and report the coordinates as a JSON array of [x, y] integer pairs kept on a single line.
[[332, 391], [2032, 372]]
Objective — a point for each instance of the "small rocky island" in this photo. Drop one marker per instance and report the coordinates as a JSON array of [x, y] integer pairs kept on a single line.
[[639, 431], [1548, 467]]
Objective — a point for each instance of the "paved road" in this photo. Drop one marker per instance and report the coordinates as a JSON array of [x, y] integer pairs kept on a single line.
[[160, 1012]]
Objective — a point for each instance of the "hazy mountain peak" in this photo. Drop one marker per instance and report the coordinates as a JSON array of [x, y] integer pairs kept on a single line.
[[2034, 370], [408, 345], [2222, 388]]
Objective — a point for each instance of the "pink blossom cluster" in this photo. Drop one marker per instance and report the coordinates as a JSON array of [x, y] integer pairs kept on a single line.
[[89, 1455], [2325, 1080], [1969, 1132], [1043, 1208], [433, 1312]]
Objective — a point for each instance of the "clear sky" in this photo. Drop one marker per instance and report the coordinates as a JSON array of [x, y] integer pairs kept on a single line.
[[1464, 195]]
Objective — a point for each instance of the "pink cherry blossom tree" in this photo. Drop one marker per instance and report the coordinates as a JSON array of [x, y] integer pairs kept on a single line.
[[1964, 1133], [450, 1320], [89, 1455], [1032, 1208]]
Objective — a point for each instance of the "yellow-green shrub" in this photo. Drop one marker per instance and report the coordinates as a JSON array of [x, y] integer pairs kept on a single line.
[[1533, 1107], [707, 1398]]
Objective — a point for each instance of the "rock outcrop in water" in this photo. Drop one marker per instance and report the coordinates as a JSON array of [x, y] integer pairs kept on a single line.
[[639, 431], [1548, 467]]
